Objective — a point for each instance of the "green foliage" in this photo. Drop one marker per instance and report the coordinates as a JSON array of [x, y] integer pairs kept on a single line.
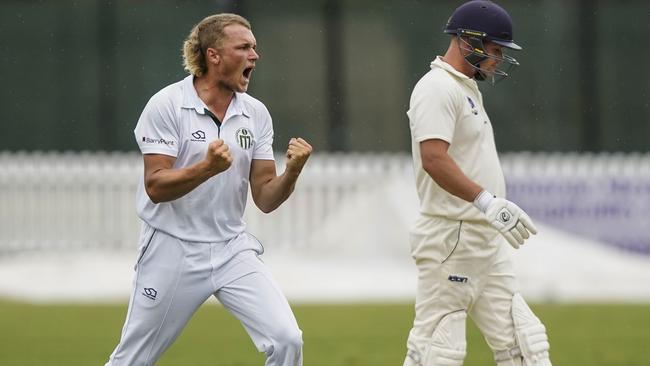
[[334, 335]]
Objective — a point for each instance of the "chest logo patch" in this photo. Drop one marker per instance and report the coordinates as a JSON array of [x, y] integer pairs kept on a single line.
[[244, 138], [473, 106], [198, 136]]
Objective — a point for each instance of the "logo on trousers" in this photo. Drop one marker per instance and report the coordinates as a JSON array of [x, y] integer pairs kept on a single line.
[[456, 278], [150, 293]]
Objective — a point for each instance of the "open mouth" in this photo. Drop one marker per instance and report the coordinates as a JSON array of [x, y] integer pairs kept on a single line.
[[247, 72]]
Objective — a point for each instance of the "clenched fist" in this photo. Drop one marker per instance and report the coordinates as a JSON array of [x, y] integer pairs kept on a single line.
[[218, 157], [297, 154]]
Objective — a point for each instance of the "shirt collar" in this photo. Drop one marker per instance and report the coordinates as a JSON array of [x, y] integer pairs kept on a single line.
[[438, 62], [191, 100], [237, 106]]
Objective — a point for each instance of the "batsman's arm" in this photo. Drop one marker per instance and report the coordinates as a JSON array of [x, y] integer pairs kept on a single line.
[[444, 170], [510, 220]]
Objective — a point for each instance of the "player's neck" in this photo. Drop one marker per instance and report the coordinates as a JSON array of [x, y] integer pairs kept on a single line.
[[215, 95], [454, 57]]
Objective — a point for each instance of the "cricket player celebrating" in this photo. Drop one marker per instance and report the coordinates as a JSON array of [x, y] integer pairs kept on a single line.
[[204, 141], [459, 241]]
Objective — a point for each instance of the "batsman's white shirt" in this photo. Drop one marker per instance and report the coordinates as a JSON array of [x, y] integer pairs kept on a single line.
[[174, 123], [447, 105]]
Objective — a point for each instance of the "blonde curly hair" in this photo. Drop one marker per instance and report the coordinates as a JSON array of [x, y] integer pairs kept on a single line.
[[209, 32]]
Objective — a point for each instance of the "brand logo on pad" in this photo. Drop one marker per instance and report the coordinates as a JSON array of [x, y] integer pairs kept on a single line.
[[150, 293]]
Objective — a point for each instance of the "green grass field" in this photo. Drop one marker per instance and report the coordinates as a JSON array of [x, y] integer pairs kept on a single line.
[[334, 335]]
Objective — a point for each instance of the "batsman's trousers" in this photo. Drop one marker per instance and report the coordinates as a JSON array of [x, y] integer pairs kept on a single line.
[[462, 265]]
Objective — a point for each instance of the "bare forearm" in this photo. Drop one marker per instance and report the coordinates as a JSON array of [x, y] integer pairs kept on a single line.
[[269, 190], [446, 173], [276, 191], [169, 184], [165, 183]]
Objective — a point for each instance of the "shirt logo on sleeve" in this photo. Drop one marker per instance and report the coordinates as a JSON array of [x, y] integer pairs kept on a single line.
[[149, 140], [244, 138], [473, 106], [198, 136]]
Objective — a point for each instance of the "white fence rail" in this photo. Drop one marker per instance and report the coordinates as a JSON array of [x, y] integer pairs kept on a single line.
[[69, 201], [64, 201]]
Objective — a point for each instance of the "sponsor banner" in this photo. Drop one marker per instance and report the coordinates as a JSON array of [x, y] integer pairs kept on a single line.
[[611, 209]]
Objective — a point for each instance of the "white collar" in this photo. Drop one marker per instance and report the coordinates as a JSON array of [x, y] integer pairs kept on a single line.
[[191, 100], [440, 63]]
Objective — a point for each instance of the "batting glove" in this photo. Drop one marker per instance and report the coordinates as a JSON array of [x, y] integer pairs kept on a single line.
[[510, 220]]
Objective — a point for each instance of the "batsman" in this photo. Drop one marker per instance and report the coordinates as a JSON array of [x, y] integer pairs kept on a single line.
[[459, 241]]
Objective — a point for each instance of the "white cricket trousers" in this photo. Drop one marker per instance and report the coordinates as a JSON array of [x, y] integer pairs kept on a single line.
[[462, 265], [173, 278]]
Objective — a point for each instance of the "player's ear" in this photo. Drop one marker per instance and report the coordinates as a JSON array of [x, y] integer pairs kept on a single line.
[[212, 56]]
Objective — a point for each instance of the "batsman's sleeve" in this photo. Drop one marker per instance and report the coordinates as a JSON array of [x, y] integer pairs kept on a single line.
[[432, 113], [263, 149], [157, 130]]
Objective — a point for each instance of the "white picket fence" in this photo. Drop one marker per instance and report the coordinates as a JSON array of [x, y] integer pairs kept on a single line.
[[71, 201], [61, 201]]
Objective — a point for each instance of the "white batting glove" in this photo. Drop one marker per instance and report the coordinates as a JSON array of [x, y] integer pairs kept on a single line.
[[511, 221]]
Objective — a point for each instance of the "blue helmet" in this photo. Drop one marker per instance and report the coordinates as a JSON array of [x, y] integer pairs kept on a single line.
[[477, 22], [483, 17]]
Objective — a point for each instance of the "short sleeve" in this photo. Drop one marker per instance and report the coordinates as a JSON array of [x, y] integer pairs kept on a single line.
[[264, 143], [432, 112], [157, 131]]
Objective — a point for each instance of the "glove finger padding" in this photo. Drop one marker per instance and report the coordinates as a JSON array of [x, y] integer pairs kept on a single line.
[[511, 221], [522, 230], [517, 235], [511, 239], [528, 223]]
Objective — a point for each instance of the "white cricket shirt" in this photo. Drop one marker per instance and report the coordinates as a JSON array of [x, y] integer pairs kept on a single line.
[[447, 105], [174, 123]]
